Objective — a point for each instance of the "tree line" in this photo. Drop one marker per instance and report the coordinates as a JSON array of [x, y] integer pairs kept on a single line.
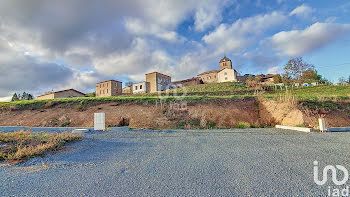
[[296, 70], [24, 96]]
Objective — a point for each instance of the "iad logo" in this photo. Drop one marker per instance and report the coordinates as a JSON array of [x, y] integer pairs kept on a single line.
[[334, 174]]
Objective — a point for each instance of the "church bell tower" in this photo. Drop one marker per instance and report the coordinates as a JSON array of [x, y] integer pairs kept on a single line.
[[225, 63]]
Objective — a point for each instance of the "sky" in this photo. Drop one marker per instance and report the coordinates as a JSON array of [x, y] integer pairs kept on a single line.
[[62, 44]]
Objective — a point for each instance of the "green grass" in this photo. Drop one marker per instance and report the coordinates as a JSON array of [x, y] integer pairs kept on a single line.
[[199, 93], [313, 92], [84, 102], [243, 125]]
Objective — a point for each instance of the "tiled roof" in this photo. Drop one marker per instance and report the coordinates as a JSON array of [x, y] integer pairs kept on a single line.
[[208, 72], [224, 59], [63, 91]]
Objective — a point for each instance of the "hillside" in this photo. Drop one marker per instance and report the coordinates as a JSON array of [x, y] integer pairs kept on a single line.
[[199, 93], [223, 105]]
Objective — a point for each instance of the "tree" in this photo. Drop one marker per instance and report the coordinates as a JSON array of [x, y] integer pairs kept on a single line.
[[92, 94], [24, 96], [30, 97], [295, 67], [14, 97], [250, 81], [129, 83], [258, 78], [310, 76], [277, 78], [342, 80]]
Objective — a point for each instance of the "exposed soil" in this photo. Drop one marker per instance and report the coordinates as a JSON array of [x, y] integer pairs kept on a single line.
[[220, 113], [291, 114]]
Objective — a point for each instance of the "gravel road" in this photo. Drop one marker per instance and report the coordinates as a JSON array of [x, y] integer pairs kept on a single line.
[[122, 162]]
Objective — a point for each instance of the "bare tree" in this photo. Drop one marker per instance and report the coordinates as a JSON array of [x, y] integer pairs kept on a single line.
[[295, 67]]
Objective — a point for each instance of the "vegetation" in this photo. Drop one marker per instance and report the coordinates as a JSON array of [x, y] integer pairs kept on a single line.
[[243, 125], [322, 92], [24, 96], [91, 94], [199, 93], [22, 145], [298, 71]]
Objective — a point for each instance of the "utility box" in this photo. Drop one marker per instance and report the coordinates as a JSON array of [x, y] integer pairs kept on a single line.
[[322, 124], [99, 122]]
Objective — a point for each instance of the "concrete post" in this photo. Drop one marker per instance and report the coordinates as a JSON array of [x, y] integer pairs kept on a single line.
[[322, 124], [99, 122]]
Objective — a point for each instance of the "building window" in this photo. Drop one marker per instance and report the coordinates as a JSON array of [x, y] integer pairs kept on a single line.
[[225, 73], [140, 87], [225, 78], [135, 87], [209, 77], [107, 91]]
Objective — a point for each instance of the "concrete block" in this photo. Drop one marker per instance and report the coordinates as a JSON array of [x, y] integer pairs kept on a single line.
[[99, 122], [338, 129], [80, 131], [303, 129], [322, 124]]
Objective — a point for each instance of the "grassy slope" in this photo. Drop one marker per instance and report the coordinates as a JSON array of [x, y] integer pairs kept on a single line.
[[200, 93], [314, 93]]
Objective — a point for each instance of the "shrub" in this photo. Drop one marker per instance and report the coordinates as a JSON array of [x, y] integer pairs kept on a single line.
[[242, 125], [65, 124]]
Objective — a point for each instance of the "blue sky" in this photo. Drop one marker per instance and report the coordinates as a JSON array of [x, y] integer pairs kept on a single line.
[[58, 44]]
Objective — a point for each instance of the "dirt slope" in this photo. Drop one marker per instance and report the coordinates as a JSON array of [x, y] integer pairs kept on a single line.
[[220, 113]]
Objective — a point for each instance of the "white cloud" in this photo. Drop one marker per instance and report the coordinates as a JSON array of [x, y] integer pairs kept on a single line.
[[303, 11], [227, 38], [298, 42], [274, 70], [5, 99], [331, 19], [140, 58], [138, 27]]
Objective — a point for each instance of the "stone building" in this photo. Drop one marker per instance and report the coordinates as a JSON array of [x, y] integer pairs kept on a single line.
[[157, 81], [142, 87], [187, 82], [127, 90], [225, 74], [209, 76], [225, 63], [108, 88], [61, 94]]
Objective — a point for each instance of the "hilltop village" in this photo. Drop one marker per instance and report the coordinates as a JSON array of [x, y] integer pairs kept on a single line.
[[156, 81]]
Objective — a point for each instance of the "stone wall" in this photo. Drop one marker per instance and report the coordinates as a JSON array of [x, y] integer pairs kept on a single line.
[[109, 88], [209, 77]]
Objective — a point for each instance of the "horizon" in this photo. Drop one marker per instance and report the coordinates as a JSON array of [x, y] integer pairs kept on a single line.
[[51, 46]]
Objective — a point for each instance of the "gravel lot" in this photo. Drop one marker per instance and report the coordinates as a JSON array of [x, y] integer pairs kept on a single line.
[[249, 162]]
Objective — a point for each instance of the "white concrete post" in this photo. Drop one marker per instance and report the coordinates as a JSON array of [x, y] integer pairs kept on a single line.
[[322, 124], [99, 122]]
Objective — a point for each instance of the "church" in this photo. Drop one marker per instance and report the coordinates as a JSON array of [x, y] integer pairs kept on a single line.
[[224, 74]]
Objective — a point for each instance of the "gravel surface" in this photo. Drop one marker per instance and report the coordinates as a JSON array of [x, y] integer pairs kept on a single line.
[[122, 162]]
